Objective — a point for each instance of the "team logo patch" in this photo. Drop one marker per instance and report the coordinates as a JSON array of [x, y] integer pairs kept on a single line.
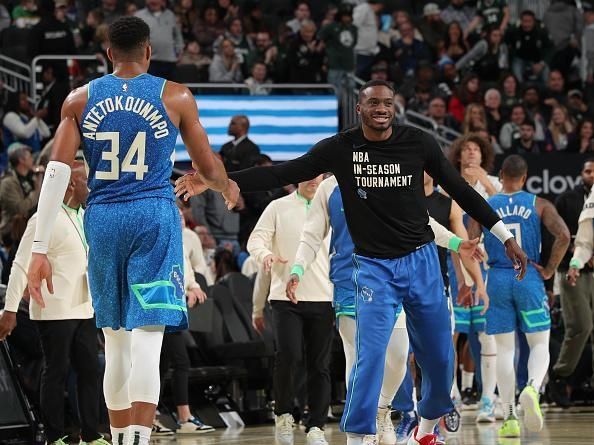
[[367, 294], [125, 87], [177, 278]]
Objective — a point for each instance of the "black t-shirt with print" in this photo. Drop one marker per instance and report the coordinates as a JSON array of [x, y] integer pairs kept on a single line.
[[381, 184]]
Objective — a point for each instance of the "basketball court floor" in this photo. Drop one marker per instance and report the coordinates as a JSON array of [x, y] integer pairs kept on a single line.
[[570, 427]]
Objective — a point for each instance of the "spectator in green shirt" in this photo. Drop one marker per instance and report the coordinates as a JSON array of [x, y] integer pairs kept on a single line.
[[340, 38]]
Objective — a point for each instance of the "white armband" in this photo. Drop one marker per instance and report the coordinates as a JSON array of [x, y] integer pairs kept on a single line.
[[501, 232], [55, 183]]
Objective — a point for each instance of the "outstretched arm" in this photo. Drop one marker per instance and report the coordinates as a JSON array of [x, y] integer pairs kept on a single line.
[[55, 183], [557, 227], [209, 167], [315, 162]]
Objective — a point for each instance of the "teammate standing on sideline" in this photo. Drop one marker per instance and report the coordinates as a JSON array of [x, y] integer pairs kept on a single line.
[[379, 168], [326, 212], [473, 157], [127, 123], [521, 305], [303, 332]]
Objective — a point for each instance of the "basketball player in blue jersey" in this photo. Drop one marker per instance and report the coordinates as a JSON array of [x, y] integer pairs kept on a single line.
[[521, 304], [127, 123]]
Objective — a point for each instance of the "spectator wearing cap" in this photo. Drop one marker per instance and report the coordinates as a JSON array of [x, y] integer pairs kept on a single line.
[[21, 124], [340, 38], [587, 57], [576, 105], [564, 22], [167, 42], [379, 71], [530, 46], [365, 19], [19, 189], [302, 12], [51, 36], [458, 11], [432, 27]]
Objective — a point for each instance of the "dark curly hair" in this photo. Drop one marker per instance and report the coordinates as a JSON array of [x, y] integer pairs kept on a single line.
[[128, 34], [487, 152]]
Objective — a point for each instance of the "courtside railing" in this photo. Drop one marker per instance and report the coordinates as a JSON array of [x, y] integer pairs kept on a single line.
[[70, 60]]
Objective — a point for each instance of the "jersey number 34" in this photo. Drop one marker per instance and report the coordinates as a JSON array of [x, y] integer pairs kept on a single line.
[[138, 148]]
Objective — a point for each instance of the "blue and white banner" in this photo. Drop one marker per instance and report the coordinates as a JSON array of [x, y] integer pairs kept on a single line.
[[284, 127]]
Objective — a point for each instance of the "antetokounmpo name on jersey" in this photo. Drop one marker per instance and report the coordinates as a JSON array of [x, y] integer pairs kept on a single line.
[[377, 175], [142, 107]]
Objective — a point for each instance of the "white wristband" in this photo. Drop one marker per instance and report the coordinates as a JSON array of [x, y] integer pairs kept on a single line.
[[501, 232], [55, 183]]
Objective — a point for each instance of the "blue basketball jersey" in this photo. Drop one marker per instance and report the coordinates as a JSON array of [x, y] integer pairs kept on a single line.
[[518, 212], [341, 244], [128, 139]]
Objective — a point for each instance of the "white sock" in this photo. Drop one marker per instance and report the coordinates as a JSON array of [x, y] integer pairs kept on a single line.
[[467, 379], [488, 365], [538, 360], [119, 436], [139, 435], [506, 376], [355, 439], [426, 427]]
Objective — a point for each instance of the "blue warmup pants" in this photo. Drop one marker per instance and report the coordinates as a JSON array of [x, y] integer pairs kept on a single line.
[[380, 286]]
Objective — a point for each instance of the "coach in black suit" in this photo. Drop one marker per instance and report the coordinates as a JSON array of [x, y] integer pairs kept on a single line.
[[241, 152]]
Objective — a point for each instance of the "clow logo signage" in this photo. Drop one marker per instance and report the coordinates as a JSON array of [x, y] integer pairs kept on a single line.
[[548, 183], [552, 174]]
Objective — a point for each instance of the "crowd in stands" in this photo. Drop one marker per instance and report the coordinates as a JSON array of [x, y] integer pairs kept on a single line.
[[519, 73]]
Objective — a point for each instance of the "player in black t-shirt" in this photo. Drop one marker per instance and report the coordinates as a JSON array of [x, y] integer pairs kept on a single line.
[[379, 168]]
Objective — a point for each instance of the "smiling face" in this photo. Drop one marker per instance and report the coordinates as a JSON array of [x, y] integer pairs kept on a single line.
[[376, 107]]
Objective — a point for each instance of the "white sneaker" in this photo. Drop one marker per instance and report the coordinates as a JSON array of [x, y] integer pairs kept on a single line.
[[386, 435], [193, 426], [161, 430], [284, 428], [315, 436]]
